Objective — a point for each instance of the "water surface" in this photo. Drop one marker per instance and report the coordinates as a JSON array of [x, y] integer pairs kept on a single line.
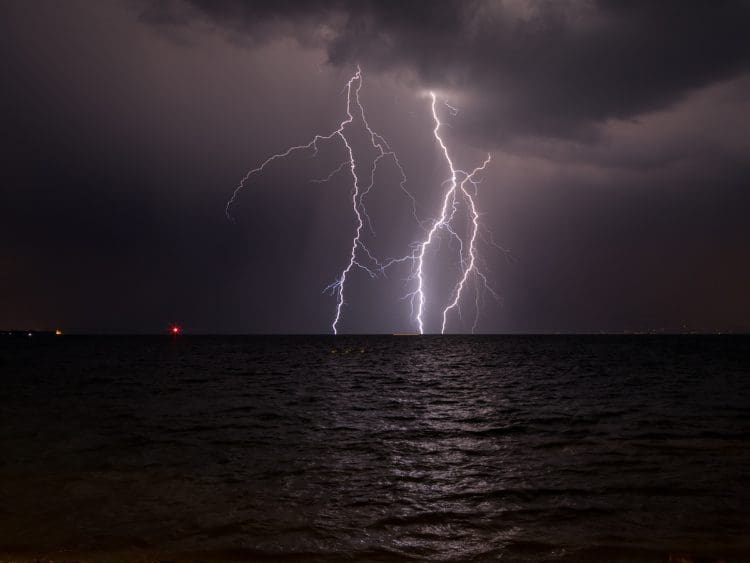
[[511, 448]]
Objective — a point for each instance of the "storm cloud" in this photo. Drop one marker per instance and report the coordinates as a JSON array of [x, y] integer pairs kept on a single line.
[[522, 68]]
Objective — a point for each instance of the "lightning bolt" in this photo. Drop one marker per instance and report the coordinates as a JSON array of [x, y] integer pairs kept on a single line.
[[471, 267], [444, 221], [338, 285], [359, 255], [457, 192]]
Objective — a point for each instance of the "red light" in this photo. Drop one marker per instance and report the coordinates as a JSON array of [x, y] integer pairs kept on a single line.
[[175, 330]]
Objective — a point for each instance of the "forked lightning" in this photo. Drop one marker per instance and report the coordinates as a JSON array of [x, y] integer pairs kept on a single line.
[[360, 257]]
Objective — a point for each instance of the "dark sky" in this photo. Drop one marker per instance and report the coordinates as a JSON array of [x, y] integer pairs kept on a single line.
[[620, 174]]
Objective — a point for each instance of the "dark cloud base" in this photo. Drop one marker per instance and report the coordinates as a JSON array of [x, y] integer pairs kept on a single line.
[[536, 68]]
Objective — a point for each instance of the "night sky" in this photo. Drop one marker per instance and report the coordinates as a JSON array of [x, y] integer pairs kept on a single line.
[[619, 182]]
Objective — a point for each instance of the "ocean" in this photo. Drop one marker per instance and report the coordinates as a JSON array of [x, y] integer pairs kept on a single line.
[[375, 448]]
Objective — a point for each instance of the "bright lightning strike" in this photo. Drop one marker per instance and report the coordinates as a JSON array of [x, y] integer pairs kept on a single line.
[[360, 257], [444, 221], [471, 268]]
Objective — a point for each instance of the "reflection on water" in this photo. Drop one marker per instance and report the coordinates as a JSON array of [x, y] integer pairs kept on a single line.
[[519, 448]]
